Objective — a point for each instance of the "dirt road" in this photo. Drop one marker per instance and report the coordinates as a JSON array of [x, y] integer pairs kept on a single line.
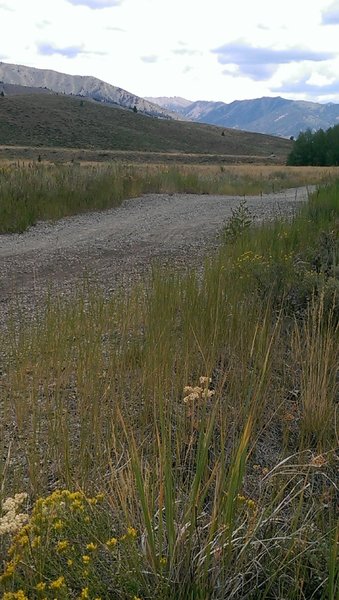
[[116, 246]]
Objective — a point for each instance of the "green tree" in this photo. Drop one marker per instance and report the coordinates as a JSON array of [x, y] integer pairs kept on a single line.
[[320, 148]]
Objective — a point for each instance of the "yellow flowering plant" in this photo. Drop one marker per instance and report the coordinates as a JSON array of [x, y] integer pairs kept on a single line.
[[67, 548]]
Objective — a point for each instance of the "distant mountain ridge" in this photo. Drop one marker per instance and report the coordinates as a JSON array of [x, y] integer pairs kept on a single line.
[[79, 85], [274, 116]]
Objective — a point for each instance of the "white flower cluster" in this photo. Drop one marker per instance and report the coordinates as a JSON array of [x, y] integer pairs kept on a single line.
[[12, 521], [197, 392]]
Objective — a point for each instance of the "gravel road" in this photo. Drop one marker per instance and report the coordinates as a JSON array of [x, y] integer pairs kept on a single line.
[[116, 246]]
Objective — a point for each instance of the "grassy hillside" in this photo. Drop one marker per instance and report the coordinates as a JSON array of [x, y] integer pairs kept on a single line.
[[44, 120]]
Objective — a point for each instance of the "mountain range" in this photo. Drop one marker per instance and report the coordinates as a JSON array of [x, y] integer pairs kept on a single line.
[[275, 116], [76, 85]]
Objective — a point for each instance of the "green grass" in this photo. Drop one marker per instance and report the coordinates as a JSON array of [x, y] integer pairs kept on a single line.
[[230, 494], [35, 192]]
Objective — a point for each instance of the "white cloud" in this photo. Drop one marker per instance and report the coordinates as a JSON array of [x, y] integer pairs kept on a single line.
[[95, 4], [260, 63], [152, 47], [330, 15]]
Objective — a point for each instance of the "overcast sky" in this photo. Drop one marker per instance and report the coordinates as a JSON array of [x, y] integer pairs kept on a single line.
[[197, 49]]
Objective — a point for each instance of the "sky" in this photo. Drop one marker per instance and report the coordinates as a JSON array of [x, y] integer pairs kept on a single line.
[[197, 49]]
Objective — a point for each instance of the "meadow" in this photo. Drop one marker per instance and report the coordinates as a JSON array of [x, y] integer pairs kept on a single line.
[[179, 440], [33, 191]]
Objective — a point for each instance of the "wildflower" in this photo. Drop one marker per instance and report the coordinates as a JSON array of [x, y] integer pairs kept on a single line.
[[198, 392], [13, 503], [163, 561], [9, 571], [77, 505], [131, 532], [112, 542], [36, 541], [19, 595], [40, 586], [62, 545], [11, 522], [251, 504], [91, 547], [204, 380], [57, 583], [58, 525], [86, 559], [84, 593], [69, 562]]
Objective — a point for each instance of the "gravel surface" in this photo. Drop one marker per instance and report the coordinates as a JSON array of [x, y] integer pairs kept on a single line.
[[115, 247]]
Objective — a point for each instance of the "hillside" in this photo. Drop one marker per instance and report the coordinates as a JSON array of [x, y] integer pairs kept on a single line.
[[78, 85], [61, 121], [275, 116]]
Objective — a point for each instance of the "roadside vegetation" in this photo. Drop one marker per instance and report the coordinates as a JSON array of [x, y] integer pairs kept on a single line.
[[34, 192], [179, 441]]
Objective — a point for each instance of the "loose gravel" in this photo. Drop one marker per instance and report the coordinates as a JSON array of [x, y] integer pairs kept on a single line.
[[117, 246]]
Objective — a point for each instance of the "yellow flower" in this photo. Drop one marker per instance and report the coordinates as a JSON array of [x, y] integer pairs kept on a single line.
[[23, 539], [58, 583], [84, 593], [251, 504], [19, 595], [112, 542], [9, 571], [86, 559], [241, 498], [77, 505], [62, 545], [91, 546], [69, 562], [58, 525], [36, 542], [163, 561], [40, 586], [131, 532]]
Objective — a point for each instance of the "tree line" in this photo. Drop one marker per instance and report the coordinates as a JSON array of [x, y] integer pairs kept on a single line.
[[320, 148]]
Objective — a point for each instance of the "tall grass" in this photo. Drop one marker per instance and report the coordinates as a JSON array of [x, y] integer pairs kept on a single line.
[[33, 192], [203, 407]]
